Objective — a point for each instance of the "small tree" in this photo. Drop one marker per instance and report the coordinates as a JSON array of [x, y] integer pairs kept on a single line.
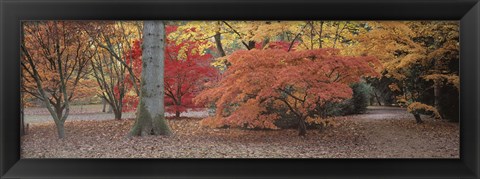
[[300, 81], [111, 65], [55, 58]]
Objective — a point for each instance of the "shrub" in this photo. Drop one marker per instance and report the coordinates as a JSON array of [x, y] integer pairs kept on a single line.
[[300, 81], [360, 99]]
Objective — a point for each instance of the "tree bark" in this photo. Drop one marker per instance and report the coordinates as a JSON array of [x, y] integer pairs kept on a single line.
[[251, 45], [22, 120], [418, 119], [104, 102], [150, 118], [377, 98], [437, 96], [60, 129], [320, 35], [218, 42], [302, 127], [118, 114]]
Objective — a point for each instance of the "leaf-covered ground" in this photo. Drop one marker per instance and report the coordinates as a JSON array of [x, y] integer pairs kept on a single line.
[[380, 133]]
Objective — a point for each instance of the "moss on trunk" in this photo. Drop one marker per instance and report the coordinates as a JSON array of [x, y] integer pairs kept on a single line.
[[146, 125]]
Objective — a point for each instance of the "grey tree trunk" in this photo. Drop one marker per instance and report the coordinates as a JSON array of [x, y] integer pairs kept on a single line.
[[104, 102], [150, 118], [60, 128]]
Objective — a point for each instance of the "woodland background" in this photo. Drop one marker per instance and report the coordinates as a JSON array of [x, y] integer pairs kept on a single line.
[[240, 89]]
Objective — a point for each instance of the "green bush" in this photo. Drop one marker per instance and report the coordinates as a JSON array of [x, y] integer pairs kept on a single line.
[[359, 102]]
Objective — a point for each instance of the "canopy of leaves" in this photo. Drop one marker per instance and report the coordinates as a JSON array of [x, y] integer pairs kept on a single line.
[[186, 70], [299, 81]]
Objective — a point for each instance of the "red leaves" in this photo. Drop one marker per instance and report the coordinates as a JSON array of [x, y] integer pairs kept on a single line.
[[300, 81], [186, 71]]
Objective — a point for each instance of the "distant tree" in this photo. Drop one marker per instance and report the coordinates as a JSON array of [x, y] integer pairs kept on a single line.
[[112, 67], [420, 58]]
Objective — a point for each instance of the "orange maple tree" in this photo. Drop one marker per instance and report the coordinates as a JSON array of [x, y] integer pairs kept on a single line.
[[300, 81], [55, 60]]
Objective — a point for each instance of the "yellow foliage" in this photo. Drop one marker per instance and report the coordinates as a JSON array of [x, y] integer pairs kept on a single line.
[[449, 79], [329, 122], [394, 87], [420, 108]]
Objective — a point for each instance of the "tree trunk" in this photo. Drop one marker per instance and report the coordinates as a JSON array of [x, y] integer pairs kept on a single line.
[[60, 129], [110, 109], [320, 35], [150, 118], [251, 45], [265, 42], [377, 98], [59, 123], [118, 114], [302, 127], [418, 118], [218, 42], [437, 96], [22, 119], [177, 114], [104, 102]]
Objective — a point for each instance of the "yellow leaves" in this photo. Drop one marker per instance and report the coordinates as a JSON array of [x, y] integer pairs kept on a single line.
[[196, 31], [409, 60], [420, 108], [394, 87], [220, 63], [401, 100], [329, 122], [451, 79]]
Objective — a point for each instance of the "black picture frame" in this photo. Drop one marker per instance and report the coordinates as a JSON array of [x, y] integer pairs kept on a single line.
[[14, 11]]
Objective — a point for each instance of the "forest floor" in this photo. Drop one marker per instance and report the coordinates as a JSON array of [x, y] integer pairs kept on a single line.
[[382, 132]]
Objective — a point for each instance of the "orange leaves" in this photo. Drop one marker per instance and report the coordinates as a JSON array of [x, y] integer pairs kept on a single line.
[[260, 81], [52, 50]]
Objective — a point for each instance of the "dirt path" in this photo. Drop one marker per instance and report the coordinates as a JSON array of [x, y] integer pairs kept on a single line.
[[382, 132], [395, 131], [93, 112]]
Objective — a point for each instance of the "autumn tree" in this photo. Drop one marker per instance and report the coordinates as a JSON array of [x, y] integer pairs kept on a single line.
[[229, 36], [110, 76], [420, 58], [251, 87], [150, 118], [441, 39], [54, 64], [112, 67], [186, 70], [113, 39]]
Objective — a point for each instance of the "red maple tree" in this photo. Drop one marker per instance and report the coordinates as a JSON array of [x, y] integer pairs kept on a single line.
[[186, 71], [260, 82]]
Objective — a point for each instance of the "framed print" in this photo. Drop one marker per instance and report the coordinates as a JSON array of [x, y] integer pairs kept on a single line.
[[247, 89]]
